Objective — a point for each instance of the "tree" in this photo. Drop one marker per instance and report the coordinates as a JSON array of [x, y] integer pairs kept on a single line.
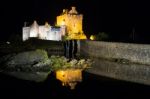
[[101, 36]]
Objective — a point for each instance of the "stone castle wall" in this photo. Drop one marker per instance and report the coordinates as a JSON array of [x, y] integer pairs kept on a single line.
[[73, 21]]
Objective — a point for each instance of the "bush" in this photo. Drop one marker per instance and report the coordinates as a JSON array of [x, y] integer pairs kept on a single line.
[[58, 63]]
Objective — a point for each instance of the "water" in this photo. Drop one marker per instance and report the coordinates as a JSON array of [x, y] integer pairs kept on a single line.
[[92, 85]]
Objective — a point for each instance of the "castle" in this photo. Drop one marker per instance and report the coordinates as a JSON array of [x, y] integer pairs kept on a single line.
[[68, 24]]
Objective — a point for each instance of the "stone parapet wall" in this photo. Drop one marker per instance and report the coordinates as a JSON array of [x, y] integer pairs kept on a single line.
[[136, 53]]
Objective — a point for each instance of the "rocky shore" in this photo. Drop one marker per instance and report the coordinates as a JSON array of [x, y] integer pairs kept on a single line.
[[30, 65]]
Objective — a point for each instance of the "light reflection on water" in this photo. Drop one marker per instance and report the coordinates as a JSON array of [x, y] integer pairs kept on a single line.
[[91, 85], [69, 77], [137, 73]]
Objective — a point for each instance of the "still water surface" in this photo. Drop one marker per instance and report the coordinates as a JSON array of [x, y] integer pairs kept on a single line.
[[92, 85]]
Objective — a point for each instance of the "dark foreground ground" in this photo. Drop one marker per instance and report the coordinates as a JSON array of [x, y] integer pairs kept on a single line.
[[92, 85]]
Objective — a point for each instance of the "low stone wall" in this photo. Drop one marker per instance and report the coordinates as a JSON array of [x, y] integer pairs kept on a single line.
[[59, 50], [131, 53], [136, 53], [52, 47]]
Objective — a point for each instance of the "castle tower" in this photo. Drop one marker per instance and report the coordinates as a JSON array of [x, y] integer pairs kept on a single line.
[[34, 30], [73, 22]]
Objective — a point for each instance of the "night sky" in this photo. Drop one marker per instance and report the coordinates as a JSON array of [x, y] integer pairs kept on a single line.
[[118, 18]]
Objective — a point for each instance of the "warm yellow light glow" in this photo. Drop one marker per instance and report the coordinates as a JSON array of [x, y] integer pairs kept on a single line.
[[69, 77], [63, 22], [73, 22], [92, 37]]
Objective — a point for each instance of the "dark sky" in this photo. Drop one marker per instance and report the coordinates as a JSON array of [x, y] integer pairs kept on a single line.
[[114, 17]]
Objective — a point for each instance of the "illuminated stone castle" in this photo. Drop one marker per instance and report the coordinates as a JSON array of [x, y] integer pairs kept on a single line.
[[68, 24], [45, 32], [73, 22]]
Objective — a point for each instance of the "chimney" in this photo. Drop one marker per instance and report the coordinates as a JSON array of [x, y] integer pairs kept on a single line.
[[25, 24]]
